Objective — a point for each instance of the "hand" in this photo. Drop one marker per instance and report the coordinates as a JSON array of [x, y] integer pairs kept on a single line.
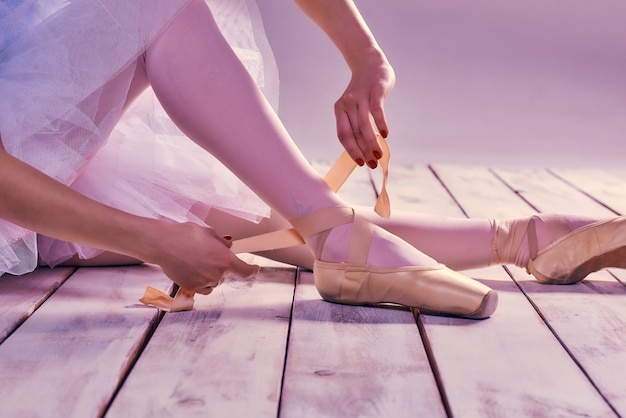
[[196, 258], [360, 113]]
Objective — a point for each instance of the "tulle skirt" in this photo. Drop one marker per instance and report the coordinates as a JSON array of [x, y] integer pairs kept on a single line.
[[65, 72]]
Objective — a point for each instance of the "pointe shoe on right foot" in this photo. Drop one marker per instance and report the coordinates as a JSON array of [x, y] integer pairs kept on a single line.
[[431, 289], [574, 254], [572, 257]]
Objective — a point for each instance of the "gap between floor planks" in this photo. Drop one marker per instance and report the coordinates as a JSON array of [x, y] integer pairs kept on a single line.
[[530, 358]]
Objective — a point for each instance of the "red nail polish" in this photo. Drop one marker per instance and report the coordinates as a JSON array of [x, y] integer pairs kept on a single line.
[[377, 154], [360, 162], [227, 237], [384, 133], [372, 164]]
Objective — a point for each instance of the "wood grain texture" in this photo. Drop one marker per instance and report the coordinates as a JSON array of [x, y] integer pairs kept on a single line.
[[590, 317], [509, 364], [355, 361], [476, 189], [68, 358], [547, 193], [516, 365], [547, 351], [609, 187], [224, 358], [417, 189], [20, 296]]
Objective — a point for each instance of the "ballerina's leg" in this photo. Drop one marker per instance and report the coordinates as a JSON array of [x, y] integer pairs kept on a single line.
[[459, 243], [206, 91], [210, 96]]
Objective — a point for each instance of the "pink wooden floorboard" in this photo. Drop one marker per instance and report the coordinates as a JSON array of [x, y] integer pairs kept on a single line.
[[548, 351]]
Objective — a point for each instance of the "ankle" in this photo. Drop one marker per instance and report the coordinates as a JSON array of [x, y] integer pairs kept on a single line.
[[516, 241], [510, 242], [349, 238]]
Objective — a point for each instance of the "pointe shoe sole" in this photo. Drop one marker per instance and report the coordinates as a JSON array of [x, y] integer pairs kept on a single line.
[[433, 289], [591, 248]]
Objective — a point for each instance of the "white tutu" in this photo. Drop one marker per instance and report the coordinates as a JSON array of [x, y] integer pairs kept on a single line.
[[56, 59]]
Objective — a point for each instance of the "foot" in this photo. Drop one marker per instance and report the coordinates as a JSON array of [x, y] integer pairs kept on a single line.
[[386, 249], [358, 263], [520, 241]]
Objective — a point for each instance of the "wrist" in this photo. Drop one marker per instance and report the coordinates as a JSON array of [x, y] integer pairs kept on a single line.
[[144, 236], [372, 56]]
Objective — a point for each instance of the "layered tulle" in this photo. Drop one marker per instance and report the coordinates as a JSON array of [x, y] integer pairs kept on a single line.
[[65, 72]]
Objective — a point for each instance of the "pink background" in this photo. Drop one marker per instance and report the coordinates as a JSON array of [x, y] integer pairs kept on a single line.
[[530, 83]]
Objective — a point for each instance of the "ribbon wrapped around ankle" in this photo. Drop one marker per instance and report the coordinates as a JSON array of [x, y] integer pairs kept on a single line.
[[335, 178]]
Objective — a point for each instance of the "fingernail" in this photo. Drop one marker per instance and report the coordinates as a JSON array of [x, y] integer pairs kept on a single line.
[[360, 162], [227, 237], [383, 133], [372, 164], [377, 154]]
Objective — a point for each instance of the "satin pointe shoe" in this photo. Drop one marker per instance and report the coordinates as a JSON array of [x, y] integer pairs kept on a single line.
[[572, 257], [431, 289]]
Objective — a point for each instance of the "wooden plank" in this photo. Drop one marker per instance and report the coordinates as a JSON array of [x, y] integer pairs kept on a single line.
[[418, 190], [224, 358], [355, 361], [509, 365], [20, 296], [607, 186], [514, 366], [589, 320], [69, 357], [547, 193], [476, 188], [598, 301]]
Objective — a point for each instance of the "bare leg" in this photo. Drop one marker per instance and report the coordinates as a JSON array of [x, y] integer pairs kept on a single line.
[[248, 126], [456, 242], [459, 243], [209, 95]]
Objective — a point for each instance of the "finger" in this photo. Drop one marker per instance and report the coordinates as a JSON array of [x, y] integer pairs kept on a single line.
[[242, 269], [346, 136], [369, 144], [378, 113]]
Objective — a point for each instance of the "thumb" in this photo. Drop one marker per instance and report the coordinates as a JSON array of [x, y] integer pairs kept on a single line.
[[243, 269]]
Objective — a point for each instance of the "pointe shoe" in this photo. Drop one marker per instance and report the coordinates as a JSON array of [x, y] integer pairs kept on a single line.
[[577, 253], [431, 289]]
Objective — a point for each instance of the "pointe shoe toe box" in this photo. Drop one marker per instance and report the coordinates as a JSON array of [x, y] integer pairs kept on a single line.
[[431, 289]]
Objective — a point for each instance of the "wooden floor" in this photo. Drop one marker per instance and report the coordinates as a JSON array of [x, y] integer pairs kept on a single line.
[[76, 343]]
